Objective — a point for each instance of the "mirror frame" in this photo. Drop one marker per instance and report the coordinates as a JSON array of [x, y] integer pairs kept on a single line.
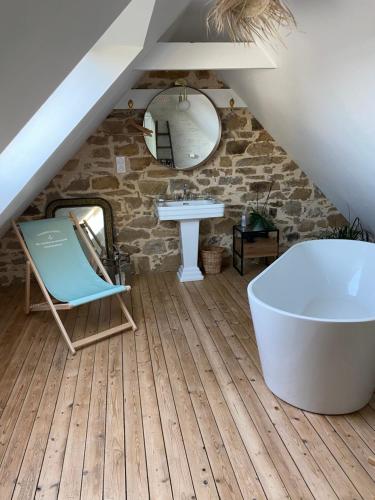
[[214, 149], [88, 202]]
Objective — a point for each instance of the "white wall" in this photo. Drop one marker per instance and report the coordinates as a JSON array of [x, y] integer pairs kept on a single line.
[[40, 43], [319, 103], [191, 25]]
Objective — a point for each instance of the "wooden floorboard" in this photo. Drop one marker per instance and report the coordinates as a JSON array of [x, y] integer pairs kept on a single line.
[[181, 481], [246, 476], [176, 410], [159, 483], [261, 457], [114, 485], [272, 435], [201, 473], [50, 473], [74, 453], [28, 476], [219, 461]]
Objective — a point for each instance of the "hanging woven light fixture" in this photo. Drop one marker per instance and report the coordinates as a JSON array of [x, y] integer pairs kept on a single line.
[[245, 19]]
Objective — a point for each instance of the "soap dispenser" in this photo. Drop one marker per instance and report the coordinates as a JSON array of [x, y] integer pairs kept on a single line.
[[244, 218]]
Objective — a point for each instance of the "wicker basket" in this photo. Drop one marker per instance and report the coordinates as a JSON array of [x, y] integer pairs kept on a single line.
[[212, 258]]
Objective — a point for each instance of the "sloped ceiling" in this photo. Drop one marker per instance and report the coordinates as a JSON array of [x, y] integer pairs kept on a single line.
[[40, 43], [319, 103], [126, 38]]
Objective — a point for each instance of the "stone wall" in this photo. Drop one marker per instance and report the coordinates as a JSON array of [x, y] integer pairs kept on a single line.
[[246, 160]]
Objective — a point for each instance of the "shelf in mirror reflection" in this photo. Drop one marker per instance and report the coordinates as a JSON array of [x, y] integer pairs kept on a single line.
[[186, 127]]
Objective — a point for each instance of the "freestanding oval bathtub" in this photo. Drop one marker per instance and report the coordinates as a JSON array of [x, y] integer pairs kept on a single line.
[[314, 317]]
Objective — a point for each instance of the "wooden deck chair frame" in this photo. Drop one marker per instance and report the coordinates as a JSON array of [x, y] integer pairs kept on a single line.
[[54, 306]]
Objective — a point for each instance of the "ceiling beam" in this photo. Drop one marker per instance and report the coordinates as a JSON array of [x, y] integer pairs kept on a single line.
[[142, 97], [205, 56]]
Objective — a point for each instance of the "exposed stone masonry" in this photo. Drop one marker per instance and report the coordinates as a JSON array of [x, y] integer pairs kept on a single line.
[[246, 160]]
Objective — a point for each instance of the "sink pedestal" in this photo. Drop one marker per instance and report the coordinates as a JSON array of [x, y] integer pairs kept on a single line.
[[189, 239], [188, 213]]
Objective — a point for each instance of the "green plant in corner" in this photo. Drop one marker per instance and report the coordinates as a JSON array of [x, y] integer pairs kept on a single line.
[[350, 231]]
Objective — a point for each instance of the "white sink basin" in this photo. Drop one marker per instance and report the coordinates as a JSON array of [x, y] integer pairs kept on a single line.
[[189, 209], [187, 203], [188, 213]]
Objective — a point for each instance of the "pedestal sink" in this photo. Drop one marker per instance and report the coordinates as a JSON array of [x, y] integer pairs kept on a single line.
[[188, 213]]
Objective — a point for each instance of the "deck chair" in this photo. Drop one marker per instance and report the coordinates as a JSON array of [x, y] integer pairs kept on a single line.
[[64, 274]]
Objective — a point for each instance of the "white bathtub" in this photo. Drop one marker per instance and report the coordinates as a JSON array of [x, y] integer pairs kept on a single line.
[[314, 318]]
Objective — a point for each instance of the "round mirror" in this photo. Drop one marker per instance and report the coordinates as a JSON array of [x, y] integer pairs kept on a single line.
[[185, 128]]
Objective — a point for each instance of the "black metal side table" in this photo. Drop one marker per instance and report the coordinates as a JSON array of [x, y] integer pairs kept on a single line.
[[251, 244]]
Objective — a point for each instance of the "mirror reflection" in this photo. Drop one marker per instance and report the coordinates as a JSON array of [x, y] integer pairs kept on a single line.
[[186, 127], [91, 219]]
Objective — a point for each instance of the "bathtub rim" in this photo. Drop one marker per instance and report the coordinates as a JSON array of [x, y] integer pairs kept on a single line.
[[284, 312]]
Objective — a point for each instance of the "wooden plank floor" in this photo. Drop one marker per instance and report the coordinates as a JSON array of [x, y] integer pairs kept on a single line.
[[177, 410]]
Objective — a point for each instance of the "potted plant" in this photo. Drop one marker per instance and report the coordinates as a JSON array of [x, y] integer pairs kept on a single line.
[[259, 219], [350, 231]]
